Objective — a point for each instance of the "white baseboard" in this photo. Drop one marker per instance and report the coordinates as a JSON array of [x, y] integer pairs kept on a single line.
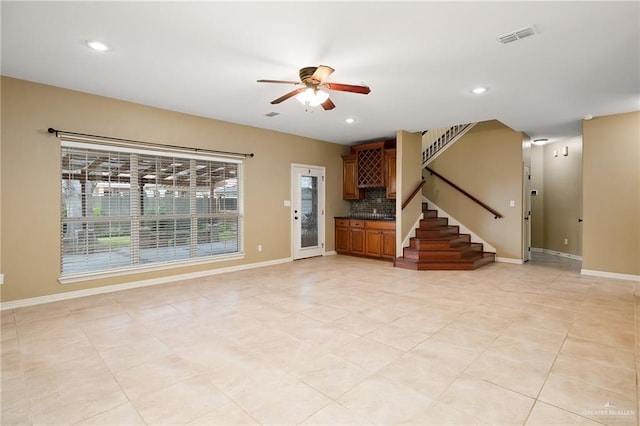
[[614, 275], [134, 284], [556, 253], [590, 272], [509, 260]]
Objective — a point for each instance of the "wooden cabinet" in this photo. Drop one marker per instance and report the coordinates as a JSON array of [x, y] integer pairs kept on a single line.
[[350, 236], [369, 165], [357, 237], [389, 244], [350, 190], [343, 236], [381, 239], [390, 172], [371, 238], [374, 243]]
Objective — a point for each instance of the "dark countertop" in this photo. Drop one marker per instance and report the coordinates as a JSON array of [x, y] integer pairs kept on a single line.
[[366, 217]]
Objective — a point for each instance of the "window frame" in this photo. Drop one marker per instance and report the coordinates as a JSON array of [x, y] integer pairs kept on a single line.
[[136, 219]]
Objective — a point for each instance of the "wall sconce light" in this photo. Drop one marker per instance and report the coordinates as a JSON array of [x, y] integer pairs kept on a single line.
[[565, 151]]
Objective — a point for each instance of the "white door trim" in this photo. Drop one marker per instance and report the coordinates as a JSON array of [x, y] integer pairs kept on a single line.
[[526, 214], [296, 252]]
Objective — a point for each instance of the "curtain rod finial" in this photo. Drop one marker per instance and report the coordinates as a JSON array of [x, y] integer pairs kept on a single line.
[[51, 130]]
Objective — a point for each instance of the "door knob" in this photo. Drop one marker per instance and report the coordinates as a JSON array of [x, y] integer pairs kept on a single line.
[[295, 217]]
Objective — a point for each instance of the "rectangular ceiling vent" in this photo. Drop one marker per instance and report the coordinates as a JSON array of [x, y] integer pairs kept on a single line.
[[517, 35]]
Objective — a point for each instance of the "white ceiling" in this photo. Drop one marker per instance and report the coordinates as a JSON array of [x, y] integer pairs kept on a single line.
[[421, 59]]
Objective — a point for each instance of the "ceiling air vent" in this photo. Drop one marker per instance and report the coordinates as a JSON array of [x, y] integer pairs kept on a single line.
[[272, 114], [517, 35]]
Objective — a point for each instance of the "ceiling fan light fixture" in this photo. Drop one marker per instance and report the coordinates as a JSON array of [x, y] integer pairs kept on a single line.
[[312, 97]]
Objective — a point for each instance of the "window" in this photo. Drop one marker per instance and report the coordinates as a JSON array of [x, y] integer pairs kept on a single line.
[[128, 208]]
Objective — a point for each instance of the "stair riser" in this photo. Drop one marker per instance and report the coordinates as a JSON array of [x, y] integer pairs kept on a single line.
[[445, 265], [440, 244], [439, 254], [431, 223], [468, 252], [435, 233]]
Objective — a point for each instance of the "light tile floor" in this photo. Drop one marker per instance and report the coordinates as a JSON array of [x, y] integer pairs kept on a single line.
[[330, 341]]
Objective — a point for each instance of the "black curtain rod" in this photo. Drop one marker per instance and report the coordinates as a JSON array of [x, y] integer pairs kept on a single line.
[[158, 145]]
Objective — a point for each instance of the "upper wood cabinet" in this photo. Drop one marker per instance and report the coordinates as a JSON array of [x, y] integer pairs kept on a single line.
[[350, 190], [390, 172], [369, 165]]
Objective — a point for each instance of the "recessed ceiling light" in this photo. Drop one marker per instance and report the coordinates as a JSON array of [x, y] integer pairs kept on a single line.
[[97, 45], [479, 90], [349, 120]]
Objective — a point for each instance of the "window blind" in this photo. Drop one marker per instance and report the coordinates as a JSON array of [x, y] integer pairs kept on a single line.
[[123, 207]]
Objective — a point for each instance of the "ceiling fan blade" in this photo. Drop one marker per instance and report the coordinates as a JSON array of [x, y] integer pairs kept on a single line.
[[347, 88], [287, 96], [278, 81], [328, 104], [321, 73]]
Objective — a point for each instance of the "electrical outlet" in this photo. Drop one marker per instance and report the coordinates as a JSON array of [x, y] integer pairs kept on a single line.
[[566, 241], [1, 279], [259, 247]]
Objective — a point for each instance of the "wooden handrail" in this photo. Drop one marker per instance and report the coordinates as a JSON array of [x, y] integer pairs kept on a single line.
[[414, 193], [486, 207]]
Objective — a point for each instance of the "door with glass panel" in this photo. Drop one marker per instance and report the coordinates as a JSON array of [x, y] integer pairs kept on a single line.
[[307, 210]]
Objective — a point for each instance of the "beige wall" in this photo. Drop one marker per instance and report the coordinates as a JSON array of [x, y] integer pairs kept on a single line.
[[409, 174], [30, 191], [611, 191], [562, 194], [488, 163]]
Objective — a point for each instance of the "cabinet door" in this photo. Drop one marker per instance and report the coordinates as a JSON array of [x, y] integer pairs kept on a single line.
[[357, 240], [388, 244], [342, 240], [390, 172], [350, 190], [374, 243]]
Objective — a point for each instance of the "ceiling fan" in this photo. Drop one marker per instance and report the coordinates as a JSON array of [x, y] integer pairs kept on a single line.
[[312, 79]]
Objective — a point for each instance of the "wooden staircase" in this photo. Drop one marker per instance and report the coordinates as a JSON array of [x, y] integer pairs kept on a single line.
[[439, 246]]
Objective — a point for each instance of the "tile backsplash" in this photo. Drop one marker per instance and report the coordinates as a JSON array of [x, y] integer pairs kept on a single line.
[[375, 198]]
